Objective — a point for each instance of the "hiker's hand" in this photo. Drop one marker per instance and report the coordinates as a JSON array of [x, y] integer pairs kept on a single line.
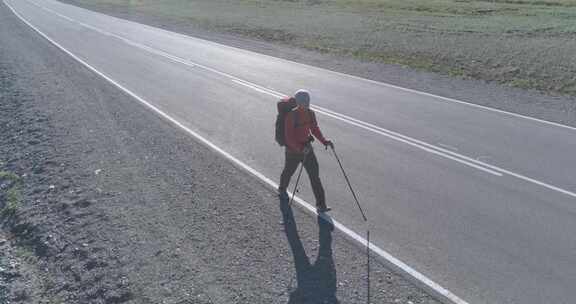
[[329, 144]]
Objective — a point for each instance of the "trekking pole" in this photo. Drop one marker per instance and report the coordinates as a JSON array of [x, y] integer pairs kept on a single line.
[[296, 185], [349, 185], [368, 266]]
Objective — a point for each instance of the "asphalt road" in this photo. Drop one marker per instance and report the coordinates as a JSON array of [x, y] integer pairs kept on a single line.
[[480, 201]]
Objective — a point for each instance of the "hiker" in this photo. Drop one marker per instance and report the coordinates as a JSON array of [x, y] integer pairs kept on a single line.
[[299, 126]]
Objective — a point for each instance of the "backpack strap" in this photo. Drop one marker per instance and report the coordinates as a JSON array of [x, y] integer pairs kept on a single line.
[[313, 116], [286, 105], [295, 118]]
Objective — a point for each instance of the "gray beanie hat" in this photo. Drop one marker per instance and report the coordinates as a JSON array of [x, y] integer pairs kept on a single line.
[[302, 98]]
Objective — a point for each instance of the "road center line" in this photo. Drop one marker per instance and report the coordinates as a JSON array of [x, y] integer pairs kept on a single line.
[[374, 130], [259, 89], [449, 147], [438, 150]]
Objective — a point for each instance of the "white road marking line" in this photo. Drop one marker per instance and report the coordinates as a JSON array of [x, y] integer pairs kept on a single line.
[[327, 113], [374, 129], [449, 147], [426, 146], [399, 265], [380, 83], [415, 145], [127, 41], [415, 141], [257, 88], [358, 122], [469, 159]]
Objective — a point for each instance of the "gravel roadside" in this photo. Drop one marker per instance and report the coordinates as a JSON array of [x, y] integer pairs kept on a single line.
[[114, 205]]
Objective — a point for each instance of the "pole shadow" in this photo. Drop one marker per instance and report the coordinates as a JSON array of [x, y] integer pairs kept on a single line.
[[316, 283]]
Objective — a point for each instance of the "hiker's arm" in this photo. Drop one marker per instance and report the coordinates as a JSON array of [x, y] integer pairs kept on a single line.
[[290, 135]]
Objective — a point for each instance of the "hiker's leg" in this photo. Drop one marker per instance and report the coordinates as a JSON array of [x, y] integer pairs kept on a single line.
[[290, 165], [311, 165]]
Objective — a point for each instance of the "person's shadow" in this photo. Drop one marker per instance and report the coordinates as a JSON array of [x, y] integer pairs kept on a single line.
[[316, 282]]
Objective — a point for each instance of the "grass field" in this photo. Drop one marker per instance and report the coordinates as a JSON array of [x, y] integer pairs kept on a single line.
[[522, 43]]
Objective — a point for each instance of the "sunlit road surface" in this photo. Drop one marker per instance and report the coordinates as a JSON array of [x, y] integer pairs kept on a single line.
[[480, 201]]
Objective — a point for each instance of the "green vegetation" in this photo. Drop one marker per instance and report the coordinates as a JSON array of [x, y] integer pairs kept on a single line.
[[25, 253], [12, 196], [524, 43]]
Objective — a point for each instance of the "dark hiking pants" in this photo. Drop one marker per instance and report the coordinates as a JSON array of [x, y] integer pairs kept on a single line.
[[311, 165]]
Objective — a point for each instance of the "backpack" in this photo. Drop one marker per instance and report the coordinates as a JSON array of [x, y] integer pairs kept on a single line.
[[285, 106]]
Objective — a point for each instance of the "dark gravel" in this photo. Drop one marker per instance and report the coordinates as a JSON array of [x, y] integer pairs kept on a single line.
[[119, 206]]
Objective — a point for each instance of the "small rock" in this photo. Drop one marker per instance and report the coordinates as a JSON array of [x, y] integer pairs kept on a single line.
[[20, 295], [52, 187], [13, 264], [96, 172]]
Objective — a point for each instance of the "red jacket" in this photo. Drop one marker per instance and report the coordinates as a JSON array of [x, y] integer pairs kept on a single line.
[[298, 126]]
